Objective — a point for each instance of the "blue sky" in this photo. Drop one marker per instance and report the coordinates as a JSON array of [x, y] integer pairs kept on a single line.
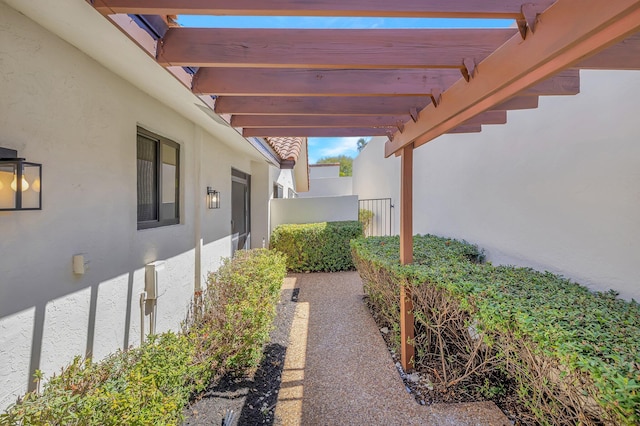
[[323, 147], [329, 147]]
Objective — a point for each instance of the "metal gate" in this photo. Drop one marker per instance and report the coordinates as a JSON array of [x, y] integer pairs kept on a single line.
[[376, 214]]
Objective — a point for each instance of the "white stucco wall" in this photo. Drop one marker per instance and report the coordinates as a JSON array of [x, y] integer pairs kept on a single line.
[[60, 108], [555, 189], [329, 187], [319, 171], [325, 181], [312, 210], [283, 177]]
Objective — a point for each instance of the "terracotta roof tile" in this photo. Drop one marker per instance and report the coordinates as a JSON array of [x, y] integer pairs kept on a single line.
[[288, 148]]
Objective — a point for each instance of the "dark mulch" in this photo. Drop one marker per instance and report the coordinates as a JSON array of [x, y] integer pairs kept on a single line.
[[253, 397], [496, 387]]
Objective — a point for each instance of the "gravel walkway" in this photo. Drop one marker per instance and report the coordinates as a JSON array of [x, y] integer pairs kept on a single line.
[[328, 364], [338, 369]]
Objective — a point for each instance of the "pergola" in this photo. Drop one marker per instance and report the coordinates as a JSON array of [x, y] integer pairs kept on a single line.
[[411, 85]]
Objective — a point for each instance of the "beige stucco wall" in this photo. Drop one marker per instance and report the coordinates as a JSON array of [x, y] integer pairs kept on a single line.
[[556, 188], [60, 108]]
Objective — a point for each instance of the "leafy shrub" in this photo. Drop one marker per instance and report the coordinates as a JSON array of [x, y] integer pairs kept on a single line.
[[574, 354], [365, 217], [317, 247], [232, 319], [228, 325], [145, 385]]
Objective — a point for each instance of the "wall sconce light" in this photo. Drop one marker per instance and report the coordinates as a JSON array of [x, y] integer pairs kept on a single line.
[[20, 182], [213, 198]]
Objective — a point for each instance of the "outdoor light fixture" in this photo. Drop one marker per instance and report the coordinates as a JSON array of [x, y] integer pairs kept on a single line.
[[20, 182], [213, 198]]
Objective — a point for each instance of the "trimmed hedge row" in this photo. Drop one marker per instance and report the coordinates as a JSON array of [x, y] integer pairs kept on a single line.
[[317, 247], [227, 327], [574, 354]]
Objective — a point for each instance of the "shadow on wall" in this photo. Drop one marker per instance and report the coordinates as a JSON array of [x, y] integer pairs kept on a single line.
[[47, 321], [39, 323]]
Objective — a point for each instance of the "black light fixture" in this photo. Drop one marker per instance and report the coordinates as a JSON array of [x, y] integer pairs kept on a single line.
[[213, 198], [20, 182]]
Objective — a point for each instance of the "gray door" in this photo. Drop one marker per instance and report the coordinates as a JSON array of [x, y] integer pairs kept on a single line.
[[240, 210]]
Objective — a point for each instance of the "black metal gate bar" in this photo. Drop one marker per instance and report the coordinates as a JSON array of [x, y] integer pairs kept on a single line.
[[381, 224]]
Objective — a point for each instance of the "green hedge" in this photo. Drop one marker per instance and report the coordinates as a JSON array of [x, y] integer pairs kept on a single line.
[[316, 247], [574, 354], [225, 331]]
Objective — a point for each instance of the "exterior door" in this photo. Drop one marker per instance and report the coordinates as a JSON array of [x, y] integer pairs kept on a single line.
[[240, 210]]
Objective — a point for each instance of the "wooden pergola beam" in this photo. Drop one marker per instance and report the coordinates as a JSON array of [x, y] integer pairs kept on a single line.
[[311, 105], [334, 82], [328, 121], [621, 56], [281, 121], [407, 327], [327, 82], [317, 132], [566, 33], [487, 117], [564, 83], [517, 103], [305, 48], [507, 9], [464, 128]]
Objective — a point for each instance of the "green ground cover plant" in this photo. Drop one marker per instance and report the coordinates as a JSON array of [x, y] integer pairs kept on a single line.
[[365, 217], [574, 354], [317, 247], [226, 328]]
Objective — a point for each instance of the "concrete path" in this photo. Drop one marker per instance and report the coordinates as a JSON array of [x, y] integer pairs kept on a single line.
[[338, 369]]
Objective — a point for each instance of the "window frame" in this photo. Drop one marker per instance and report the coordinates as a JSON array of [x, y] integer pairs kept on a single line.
[[278, 190], [160, 141]]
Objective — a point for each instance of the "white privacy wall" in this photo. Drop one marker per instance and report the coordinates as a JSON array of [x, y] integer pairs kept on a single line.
[[329, 187], [60, 108], [557, 188], [313, 210], [325, 181], [377, 177]]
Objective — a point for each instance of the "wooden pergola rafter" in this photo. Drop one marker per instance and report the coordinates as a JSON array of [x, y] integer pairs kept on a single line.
[[412, 85]]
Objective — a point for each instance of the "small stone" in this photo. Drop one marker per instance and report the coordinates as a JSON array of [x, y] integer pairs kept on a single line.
[[422, 402], [384, 330], [429, 386], [413, 377], [407, 388]]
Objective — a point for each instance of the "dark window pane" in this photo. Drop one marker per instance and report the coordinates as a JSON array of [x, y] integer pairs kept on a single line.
[[147, 192]]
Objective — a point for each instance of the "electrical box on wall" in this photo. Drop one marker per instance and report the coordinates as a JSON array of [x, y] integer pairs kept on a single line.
[[80, 264], [151, 278]]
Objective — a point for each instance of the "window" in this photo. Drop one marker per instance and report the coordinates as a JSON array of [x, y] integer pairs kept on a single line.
[[278, 191], [158, 180], [292, 193]]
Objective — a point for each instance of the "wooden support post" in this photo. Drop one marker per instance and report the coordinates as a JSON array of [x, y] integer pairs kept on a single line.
[[406, 257]]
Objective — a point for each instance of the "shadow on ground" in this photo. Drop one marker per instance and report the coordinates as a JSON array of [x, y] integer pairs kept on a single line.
[[252, 398]]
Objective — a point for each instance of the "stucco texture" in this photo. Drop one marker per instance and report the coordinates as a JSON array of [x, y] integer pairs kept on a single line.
[[61, 108], [555, 189]]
